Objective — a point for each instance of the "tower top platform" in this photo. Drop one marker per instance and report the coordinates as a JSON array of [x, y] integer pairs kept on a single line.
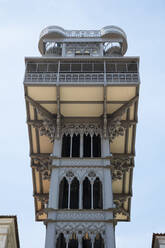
[[109, 36]]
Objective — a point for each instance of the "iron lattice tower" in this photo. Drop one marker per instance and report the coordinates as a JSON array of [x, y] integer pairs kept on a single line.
[[81, 99]]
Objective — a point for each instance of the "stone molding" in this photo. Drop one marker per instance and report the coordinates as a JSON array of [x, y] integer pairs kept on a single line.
[[81, 162], [85, 215], [80, 228], [81, 173], [82, 128], [48, 127]]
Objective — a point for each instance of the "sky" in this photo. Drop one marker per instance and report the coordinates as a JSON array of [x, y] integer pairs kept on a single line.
[[144, 23]]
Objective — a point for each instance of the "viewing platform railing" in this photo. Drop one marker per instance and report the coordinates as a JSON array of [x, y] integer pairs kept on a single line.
[[81, 77]]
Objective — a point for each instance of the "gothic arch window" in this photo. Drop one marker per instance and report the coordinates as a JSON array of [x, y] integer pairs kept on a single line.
[[73, 242], [96, 145], [87, 145], [76, 145], [86, 194], [74, 194], [60, 243], [66, 140], [97, 194], [99, 242], [63, 194], [86, 241]]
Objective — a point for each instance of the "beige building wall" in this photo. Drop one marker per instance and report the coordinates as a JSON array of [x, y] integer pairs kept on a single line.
[[8, 232], [158, 240]]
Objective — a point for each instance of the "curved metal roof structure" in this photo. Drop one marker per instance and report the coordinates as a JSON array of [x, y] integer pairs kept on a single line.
[[108, 33]]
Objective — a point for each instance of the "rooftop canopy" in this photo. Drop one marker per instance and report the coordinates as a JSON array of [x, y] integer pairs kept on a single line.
[[112, 34]]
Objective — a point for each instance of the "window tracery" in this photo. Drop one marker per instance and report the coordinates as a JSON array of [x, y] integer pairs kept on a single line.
[[81, 142], [77, 239], [80, 193]]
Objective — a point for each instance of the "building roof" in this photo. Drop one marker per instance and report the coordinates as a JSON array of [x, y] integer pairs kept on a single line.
[[154, 237]]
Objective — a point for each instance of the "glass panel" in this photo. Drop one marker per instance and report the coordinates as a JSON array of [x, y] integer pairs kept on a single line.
[[31, 67], [66, 145], [74, 194], [96, 146], [110, 67], [97, 194], [61, 241], [63, 194], [121, 67], [87, 145], [99, 67], [76, 145], [53, 67], [65, 67], [132, 67], [87, 67], [86, 194], [42, 68], [76, 67]]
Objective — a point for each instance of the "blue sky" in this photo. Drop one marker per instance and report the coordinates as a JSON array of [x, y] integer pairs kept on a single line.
[[144, 22]]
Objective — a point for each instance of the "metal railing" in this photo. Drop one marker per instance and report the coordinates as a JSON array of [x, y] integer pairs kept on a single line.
[[122, 77], [81, 77], [41, 77]]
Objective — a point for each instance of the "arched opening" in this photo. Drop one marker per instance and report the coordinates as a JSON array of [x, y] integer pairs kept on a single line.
[[74, 194], [97, 194], [86, 241], [87, 145], [61, 241], [99, 242], [96, 146], [76, 145], [86, 194], [66, 145], [63, 194], [73, 242]]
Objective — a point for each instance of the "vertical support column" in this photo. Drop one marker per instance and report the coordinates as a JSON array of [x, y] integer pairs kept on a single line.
[[91, 194], [105, 147], [67, 240], [92, 240], [54, 188], [105, 103], [58, 122], [108, 195], [81, 145], [57, 148], [107, 186], [69, 195], [80, 195], [110, 236], [91, 146], [101, 49], [71, 142], [63, 49], [50, 236], [79, 241]]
